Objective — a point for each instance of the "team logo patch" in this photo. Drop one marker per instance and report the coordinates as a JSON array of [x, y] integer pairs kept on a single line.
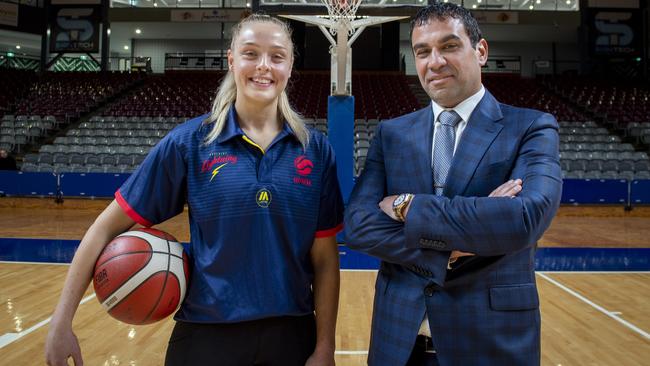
[[214, 164], [303, 165], [263, 198]]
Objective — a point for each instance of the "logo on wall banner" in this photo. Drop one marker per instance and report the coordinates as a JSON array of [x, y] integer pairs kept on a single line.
[[615, 32], [74, 29], [304, 167], [263, 198]]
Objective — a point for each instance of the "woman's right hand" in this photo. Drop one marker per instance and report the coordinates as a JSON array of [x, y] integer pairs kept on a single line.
[[61, 344]]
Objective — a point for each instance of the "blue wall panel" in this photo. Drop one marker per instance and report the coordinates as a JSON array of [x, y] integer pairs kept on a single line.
[[91, 184], [609, 191], [14, 183], [640, 192]]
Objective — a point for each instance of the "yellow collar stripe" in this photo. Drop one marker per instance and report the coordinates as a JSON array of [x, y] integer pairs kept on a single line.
[[253, 143]]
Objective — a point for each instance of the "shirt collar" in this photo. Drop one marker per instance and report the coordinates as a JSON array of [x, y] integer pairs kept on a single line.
[[464, 108], [232, 129]]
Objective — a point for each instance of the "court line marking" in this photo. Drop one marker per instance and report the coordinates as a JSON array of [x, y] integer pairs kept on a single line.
[[8, 338], [593, 272], [48, 263], [350, 353], [611, 314]]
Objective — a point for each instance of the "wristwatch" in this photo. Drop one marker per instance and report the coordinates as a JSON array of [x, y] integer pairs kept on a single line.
[[400, 204]]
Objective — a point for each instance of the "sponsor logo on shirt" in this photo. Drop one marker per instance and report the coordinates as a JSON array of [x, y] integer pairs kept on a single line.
[[304, 167], [263, 198]]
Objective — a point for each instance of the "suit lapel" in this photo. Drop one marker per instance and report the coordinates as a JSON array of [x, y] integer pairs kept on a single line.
[[420, 137], [482, 128]]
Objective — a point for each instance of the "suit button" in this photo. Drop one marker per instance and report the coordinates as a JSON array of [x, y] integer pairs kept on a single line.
[[429, 290]]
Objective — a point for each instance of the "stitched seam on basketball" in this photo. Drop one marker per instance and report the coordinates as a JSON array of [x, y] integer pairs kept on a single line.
[[169, 250]]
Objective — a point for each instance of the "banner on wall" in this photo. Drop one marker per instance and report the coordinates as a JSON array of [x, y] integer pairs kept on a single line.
[[496, 17], [213, 15], [9, 14], [74, 28], [614, 32]]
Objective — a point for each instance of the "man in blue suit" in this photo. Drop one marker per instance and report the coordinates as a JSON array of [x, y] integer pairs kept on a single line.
[[441, 202]]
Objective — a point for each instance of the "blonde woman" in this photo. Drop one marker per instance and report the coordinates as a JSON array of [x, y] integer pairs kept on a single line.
[[264, 209]]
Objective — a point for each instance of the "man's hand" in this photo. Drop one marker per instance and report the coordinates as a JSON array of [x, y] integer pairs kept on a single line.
[[386, 205], [507, 189]]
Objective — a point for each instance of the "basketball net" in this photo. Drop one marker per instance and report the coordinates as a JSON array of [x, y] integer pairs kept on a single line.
[[342, 24], [342, 11]]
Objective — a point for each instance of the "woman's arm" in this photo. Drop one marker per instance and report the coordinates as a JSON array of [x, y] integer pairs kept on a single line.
[[325, 259], [61, 342]]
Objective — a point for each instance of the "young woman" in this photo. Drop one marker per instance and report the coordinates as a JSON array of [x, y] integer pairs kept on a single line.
[[264, 208]]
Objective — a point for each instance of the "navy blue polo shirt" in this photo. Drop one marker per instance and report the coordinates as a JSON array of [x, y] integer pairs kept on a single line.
[[253, 216]]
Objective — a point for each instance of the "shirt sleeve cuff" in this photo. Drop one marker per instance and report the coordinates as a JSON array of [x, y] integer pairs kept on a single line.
[[329, 232], [130, 211]]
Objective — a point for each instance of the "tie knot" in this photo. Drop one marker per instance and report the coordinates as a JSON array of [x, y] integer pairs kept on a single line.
[[449, 118]]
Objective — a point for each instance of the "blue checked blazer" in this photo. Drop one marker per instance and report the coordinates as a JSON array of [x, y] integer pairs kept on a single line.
[[485, 311]]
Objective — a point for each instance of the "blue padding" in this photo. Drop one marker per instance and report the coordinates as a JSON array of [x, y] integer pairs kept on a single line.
[[547, 259], [40, 250], [91, 184], [593, 259], [640, 191], [351, 259], [340, 131], [594, 191], [15, 183], [37, 250]]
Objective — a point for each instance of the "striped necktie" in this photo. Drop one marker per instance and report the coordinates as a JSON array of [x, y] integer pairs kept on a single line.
[[443, 148]]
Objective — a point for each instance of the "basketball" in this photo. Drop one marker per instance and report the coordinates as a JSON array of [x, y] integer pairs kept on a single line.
[[141, 276]]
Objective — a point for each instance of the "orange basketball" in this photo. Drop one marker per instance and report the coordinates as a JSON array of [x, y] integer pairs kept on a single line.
[[141, 276]]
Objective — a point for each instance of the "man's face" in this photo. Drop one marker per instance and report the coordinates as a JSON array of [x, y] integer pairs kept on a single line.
[[3, 153], [448, 66]]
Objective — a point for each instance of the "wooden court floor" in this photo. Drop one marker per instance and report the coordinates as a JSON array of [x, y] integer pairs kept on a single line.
[[587, 318]]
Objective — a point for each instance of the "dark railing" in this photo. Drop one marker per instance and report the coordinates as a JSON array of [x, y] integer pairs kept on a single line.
[[196, 61], [503, 64]]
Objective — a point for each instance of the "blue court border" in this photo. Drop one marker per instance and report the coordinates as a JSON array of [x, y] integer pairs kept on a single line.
[[547, 259]]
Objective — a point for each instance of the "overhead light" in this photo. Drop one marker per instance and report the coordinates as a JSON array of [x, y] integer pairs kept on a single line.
[[155, 5], [138, 31], [126, 47], [108, 31], [17, 46], [568, 2], [48, 31], [10, 54], [539, 1], [530, 7]]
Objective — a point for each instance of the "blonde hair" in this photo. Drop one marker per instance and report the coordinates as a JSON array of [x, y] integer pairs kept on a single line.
[[227, 92]]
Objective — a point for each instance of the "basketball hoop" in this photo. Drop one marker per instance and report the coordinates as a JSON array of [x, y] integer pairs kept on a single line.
[[342, 11], [341, 29]]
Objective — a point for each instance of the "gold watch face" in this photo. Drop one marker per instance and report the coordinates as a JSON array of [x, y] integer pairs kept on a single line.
[[399, 200]]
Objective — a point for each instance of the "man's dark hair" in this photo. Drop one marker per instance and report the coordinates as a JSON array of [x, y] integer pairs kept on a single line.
[[443, 11]]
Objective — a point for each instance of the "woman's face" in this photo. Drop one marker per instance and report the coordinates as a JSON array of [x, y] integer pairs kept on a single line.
[[261, 60]]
